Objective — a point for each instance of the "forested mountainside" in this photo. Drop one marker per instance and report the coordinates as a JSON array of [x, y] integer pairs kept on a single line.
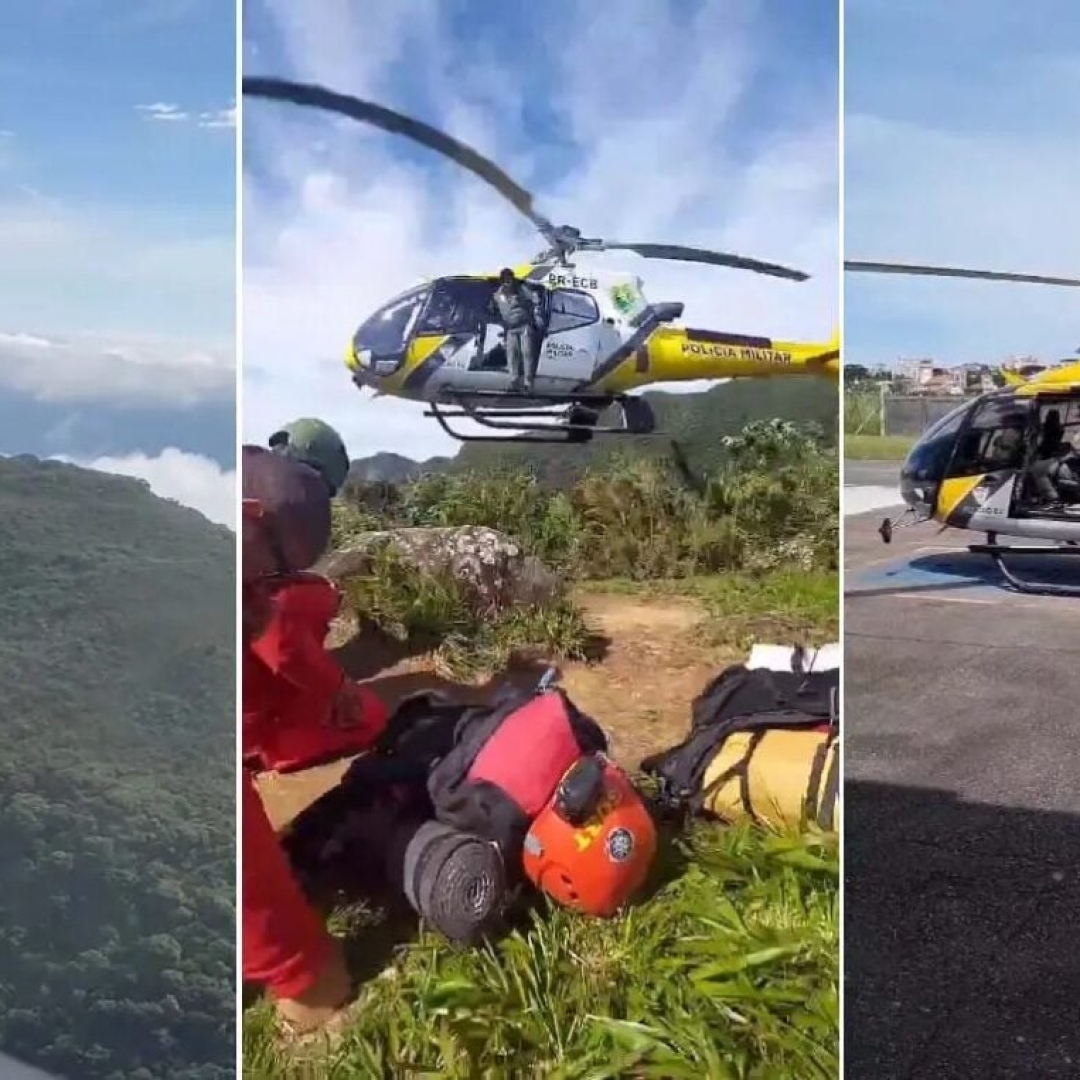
[[117, 663]]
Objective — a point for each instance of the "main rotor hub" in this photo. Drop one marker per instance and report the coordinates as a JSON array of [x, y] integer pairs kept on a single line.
[[565, 241]]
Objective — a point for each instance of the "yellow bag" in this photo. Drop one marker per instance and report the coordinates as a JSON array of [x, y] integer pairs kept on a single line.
[[780, 777]]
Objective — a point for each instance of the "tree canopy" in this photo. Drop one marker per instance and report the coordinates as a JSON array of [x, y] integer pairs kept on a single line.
[[117, 660]]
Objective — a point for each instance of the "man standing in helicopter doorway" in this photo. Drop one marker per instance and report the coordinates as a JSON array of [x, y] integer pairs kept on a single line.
[[515, 306]]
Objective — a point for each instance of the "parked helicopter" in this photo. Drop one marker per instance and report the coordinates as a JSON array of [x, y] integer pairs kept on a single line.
[[1006, 463], [598, 335]]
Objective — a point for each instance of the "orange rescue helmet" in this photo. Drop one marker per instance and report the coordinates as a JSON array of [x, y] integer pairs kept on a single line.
[[591, 847]]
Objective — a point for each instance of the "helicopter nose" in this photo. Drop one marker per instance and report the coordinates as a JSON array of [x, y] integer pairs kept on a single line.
[[920, 494], [920, 478]]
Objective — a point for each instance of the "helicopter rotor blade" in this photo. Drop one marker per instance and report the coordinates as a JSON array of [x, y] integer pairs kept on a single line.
[[562, 239], [367, 112], [955, 272], [679, 253]]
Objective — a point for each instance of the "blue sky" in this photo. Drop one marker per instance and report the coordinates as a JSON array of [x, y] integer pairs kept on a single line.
[[961, 148], [711, 123], [117, 223]]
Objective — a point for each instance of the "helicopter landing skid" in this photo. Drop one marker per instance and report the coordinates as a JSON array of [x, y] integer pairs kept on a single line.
[[998, 553], [577, 424]]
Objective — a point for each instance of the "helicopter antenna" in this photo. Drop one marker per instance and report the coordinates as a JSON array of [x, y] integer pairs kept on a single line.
[[911, 269], [562, 240]]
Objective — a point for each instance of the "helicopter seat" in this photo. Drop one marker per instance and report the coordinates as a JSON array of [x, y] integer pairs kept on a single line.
[[1066, 479], [494, 359], [1052, 477]]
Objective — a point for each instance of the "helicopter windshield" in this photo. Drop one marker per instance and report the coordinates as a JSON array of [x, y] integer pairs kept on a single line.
[[995, 437], [458, 306], [930, 456], [385, 335]]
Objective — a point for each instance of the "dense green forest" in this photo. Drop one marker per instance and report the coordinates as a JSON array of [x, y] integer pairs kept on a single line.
[[117, 661], [690, 429]]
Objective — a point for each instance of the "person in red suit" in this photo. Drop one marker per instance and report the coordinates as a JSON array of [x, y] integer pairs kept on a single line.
[[315, 712], [298, 708]]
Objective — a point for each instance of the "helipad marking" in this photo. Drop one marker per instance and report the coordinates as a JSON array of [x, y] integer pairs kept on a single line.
[[862, 498]]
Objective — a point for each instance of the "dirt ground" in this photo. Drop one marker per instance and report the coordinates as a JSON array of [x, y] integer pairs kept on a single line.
[[656, 660]]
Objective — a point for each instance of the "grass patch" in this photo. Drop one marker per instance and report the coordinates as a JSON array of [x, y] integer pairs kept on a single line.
[[877, 447], [730, 969], [784, 606], [778, 606]]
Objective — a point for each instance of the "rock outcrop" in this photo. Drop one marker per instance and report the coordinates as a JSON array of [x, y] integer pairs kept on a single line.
[[485, 561]]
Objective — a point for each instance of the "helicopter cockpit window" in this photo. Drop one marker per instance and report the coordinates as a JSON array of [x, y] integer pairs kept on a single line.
[[458, 306], [570, 309], [995, 438], [385, 335], [949, 424]]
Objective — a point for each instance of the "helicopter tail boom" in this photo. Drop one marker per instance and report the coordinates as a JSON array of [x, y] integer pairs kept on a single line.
[[675, 354]]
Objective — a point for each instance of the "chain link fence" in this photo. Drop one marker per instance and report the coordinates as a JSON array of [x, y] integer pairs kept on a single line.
[[909, 415], [903, 415]]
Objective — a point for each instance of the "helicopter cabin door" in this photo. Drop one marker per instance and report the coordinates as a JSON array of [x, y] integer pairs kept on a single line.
[[572, 340], [987, 462], [456, 316]]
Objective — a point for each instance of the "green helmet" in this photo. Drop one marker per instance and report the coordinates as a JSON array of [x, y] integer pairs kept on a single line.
[[316, 444]]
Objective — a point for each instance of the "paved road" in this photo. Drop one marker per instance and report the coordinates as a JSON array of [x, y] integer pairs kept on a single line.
[[962, 816]]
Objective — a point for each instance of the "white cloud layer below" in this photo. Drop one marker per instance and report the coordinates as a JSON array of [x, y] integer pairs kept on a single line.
[[189, 479], [140, 371]]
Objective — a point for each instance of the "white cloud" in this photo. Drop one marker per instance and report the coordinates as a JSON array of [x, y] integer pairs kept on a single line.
[[166, 112], [6, 134], [344, 221], [163, 111], [133, 371], [218, 118], [189, 479]]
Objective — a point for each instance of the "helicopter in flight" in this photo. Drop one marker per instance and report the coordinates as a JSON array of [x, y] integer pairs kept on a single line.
[[1006, 463], [596, 336]]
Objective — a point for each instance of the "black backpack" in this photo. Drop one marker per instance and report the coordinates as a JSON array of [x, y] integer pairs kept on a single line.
[[742, 699]]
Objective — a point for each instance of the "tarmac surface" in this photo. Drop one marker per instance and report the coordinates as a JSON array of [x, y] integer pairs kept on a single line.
[[962, 815]]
